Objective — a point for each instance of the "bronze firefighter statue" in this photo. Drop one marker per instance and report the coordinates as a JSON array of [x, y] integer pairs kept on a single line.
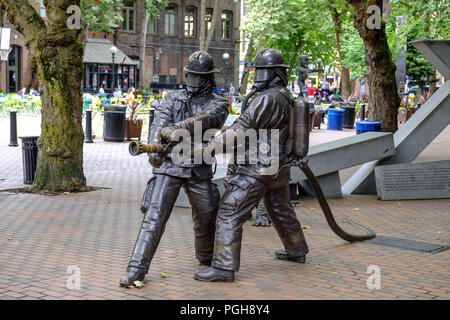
[[274, 112], [303, 73], [269, 110], [179, 110]]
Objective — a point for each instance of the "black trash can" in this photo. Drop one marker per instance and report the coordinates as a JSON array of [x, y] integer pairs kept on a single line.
[[29, 158], [349, 115], [114, 123]]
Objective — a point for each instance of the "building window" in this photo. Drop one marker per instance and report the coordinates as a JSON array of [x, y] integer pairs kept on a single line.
[[129, 16], [152, 27], [171, 20], [227, 17], [190, 19], [208, 18], [42, 10]]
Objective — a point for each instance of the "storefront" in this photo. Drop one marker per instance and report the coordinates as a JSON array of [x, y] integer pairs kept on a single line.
[[100, 72]]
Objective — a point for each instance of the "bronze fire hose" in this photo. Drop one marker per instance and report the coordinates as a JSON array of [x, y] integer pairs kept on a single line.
[[303, 165]]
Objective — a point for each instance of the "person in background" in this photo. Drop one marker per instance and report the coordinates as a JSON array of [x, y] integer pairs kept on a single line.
[[231, 93], [22, 92], [311, 90], [232, 90], [101, 93], [131, 98], [34, 93], [117, 93]]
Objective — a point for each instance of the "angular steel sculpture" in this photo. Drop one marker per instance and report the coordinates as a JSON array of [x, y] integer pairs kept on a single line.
[[421, 129]]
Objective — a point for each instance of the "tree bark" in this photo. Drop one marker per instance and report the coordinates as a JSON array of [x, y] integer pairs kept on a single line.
[[216, 14], [58, 54], [248, 60], [433, 83], [202, 25], [383, 96], [346, 88], [142, 51], [205, 41]]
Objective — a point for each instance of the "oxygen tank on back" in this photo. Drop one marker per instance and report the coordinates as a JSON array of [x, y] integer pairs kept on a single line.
[[299, 129]]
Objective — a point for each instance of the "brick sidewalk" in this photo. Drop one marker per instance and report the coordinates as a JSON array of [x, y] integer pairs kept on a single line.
[[96, 231]]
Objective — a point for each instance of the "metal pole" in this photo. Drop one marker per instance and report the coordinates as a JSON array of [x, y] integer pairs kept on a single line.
[[13, 129], [88, 138], [113, 74], [226, 77]]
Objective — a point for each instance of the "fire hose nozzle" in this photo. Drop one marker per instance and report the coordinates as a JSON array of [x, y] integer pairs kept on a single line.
[[136, 148]]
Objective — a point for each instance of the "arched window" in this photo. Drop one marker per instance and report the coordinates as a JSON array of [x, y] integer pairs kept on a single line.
[[190, 21], [227, 24], [171, 20]]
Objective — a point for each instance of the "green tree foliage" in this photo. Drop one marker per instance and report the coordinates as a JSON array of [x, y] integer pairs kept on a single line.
[[102, 15], [293, 26], [426, 19], [153, 7]]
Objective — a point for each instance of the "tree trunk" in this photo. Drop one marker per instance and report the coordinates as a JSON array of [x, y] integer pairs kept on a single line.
[[248, 59], [346, 84], [216, 14], [432, 82], [205, 41], [346, 88], [383, 95], [58, 54], [142, 50], [202, 25]]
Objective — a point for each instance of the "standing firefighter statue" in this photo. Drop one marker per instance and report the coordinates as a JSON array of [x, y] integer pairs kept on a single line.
[[273, 112], [303, 73], [270, 111], [180, 110]]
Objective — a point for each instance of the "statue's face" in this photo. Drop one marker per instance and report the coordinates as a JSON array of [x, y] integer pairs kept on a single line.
[[261, 75], [195, 82]]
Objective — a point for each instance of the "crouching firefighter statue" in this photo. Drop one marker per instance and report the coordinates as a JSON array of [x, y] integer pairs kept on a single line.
[[179, 110], [274, 110]]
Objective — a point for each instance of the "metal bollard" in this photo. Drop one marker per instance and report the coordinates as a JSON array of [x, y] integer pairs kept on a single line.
[[13, 129], [362, 112], [88, 138], [151, 117]]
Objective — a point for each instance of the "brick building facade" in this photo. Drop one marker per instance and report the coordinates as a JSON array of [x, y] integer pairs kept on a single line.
[[170, 41]]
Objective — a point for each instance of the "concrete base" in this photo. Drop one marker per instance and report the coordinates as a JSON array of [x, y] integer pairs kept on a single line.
[[330, 184]]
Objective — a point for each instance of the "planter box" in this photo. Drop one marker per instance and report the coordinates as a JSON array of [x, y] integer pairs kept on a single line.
[[404, 115], [133, 129]]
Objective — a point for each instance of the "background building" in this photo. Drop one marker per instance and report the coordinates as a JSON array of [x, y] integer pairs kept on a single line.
[[170, 41]]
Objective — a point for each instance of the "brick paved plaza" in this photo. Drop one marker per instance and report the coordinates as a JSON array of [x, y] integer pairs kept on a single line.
[[41, 236]]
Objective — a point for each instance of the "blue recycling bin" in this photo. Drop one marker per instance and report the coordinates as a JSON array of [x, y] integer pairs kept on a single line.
[[335, 118], [367, 126]]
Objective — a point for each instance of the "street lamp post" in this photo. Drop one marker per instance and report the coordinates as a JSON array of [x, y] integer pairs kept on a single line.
[[226, 61], [113, 51]]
